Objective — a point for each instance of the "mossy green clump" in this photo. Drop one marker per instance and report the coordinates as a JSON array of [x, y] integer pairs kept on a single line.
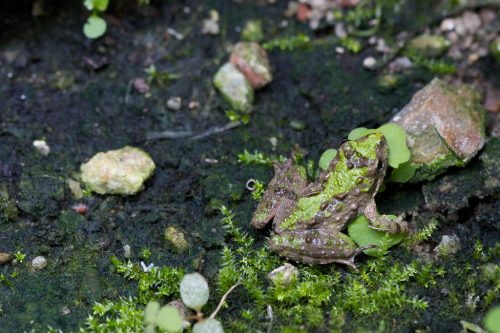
[[252, 31], [427, 46], [495, 49], [8, 208], [353, 300]]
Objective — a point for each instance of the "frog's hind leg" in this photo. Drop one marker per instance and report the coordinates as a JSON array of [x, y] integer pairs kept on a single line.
[[383, 222], [317, 246], [323, 261]]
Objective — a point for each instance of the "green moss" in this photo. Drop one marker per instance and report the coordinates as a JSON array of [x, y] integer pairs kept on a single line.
[[438, 166], [8, 208]]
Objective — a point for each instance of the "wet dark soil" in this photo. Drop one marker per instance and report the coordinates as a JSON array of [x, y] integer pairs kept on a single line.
[[76, 94]]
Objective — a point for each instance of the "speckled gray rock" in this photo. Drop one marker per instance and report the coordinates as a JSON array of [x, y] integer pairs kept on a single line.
[[284, 275], [449, 245], [120, 171], [428, 46], [445, 126], [234, 88], [251, 59]]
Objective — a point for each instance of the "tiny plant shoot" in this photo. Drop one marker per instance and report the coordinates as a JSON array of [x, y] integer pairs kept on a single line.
[[95, 26]]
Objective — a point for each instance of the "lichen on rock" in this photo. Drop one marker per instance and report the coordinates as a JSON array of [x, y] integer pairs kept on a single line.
[[251, 59], [120, 171]]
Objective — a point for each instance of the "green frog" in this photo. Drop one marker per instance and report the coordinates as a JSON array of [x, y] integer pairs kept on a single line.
[[308, 218]]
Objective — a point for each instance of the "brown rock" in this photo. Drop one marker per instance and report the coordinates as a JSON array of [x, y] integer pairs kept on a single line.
[[251, 59], [444, 125], [4, 258]]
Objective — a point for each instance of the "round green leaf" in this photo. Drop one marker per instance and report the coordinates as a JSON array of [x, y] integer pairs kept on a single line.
[[151, 312], [403, 173], [169, 319], [326, 158], [194, 291], [357, 133], [396, 142], [492, 320], [95, 27], [208, 326], [363, 235]]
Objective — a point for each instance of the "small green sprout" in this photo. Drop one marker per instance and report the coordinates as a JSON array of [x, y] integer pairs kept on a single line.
[[351, 44], [95, 26], [20, 256], [159, 77], [146, 253], [258, 158], [166, 318], [288, 43], [258, 190], [326, 158]]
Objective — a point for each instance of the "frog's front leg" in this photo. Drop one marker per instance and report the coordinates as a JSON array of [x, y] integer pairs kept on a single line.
[[384, 222], [317, 246]]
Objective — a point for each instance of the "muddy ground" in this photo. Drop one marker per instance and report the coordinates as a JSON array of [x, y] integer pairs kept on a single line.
[[49, 89]]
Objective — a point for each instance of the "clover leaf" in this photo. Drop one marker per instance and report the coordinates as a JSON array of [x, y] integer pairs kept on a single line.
[[363, 235], [95, 27]]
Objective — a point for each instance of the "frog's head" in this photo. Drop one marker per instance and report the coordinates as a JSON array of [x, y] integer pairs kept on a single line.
[[369, 151]]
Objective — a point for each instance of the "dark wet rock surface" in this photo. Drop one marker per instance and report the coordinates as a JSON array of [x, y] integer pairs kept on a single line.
[[90, 106]]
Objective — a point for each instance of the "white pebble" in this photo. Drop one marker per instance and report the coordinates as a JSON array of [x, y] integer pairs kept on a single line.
[[369, 63], [127, 252], [39, 263], [42, 147], [174, 103]]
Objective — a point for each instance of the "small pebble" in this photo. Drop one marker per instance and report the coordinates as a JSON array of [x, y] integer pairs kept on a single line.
[[4, 258], [42, 147], [193, 105], [211, 25], [285, 274], [297, 125], [174, 103], [127, 251], [39, 263], [140, 85], [449, 245], [369, 63]]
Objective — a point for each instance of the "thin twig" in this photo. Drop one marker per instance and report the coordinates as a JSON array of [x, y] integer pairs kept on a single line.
[[188, 134], [168, 135], [223, 300], [216, 130]]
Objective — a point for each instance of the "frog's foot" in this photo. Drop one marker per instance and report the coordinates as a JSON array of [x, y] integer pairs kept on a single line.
[[317, 246], [387, 223]]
